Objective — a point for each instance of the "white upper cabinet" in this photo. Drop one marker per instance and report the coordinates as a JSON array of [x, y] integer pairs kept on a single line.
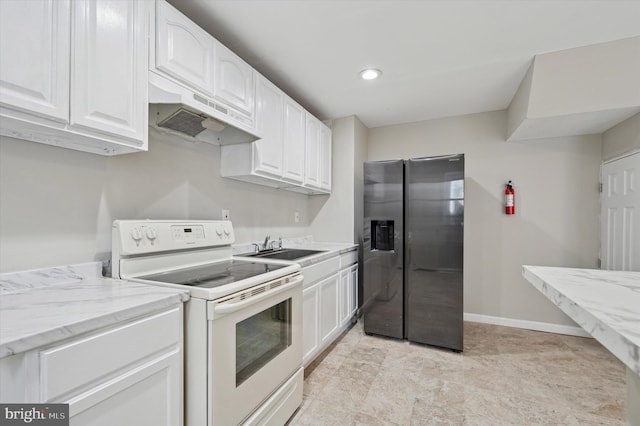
[[74, 74], [109, 68], [184, 50], [269, 119], [294, 152], [325, 158], [233, 81], [318, 156], [34, 63], [293, 142], [313, 156]]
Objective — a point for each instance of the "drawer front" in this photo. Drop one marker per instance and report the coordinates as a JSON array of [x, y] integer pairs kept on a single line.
[[348, 259], [320, 270], [86, 362]]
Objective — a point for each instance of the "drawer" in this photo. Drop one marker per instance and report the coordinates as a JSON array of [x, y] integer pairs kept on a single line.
[[87, 362], [348, 259], [320, 270]]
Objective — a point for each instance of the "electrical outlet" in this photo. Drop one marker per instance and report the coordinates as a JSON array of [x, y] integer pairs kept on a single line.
[[225, 214], [296, 217]]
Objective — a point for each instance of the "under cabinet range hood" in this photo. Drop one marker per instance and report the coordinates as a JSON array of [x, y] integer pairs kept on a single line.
[[177, 110]]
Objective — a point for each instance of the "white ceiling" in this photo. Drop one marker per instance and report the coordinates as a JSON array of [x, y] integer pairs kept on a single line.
[[439, 58]]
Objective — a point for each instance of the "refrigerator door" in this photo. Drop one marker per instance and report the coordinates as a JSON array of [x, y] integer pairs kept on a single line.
[[433, 263], [383, 248]]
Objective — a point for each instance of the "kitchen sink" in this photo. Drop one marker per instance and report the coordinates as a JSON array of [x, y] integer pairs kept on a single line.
[[283, 254]]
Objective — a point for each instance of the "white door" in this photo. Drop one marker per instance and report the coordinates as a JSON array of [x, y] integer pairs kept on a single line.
[[34, 63], [312, 161], [183, 49], [233, 80], [345, 277], [149, 395], [325, 157], [294, 141], [329, 308], [310, 325], [255, 339], [109, 67], [353, 291], [620, 214], [268, 150]]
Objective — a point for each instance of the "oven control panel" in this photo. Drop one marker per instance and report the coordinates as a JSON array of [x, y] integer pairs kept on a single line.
[[150, 236], [186, 233]]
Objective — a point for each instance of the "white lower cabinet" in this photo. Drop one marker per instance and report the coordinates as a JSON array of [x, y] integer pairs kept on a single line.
[[345, 280], [133, 398], [329, 308], [310, 319], [329, 302], [353, 291], [131, 374], [348, 293]]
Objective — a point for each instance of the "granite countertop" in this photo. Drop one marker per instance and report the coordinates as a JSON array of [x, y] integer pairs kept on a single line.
[[44, 306], [605, 303], [329, 249]]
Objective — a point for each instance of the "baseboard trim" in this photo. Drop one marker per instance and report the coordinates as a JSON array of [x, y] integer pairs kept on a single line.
[[528, 325]]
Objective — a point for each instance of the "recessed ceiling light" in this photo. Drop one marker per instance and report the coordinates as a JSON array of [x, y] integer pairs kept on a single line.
[[370, 74]]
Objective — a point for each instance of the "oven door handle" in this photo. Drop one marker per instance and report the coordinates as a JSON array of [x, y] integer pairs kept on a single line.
[[227, 308]]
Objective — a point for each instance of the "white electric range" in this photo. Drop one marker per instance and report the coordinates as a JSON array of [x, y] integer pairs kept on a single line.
[[243, 323]]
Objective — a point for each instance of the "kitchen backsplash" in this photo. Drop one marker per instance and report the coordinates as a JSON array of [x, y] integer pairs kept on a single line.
[[58, 205]]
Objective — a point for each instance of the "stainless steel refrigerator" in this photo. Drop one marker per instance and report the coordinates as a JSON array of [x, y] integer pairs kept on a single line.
[[413, 249]]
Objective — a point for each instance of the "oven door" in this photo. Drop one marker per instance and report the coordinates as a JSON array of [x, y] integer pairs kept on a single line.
[[255, 345]]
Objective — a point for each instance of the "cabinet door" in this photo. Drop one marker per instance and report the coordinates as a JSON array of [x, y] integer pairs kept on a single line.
[[325, 157], [345, 293], [329, 308], [109, 67], [183, 49], [310, 316], [233, 80], [34, 63], [269, 113], [146, 396], [312, 157], [353, 290], [294, 141]]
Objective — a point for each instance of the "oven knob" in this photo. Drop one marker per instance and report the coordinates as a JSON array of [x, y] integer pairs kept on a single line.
[[227, 231], [219, 230], [151, 234], [136, 234]]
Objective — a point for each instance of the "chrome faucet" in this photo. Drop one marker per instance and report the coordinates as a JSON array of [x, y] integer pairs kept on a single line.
[[266, 242]]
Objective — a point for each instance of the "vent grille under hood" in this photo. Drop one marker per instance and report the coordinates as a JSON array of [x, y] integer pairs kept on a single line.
[[184, 121], [178, 110]]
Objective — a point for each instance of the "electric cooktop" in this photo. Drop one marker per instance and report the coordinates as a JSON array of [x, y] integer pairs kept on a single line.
[[214, 274]]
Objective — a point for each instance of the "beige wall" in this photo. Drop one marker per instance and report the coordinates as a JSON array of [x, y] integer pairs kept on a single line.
[[57, 205], [338, 217], [557, 207], [621, 139]]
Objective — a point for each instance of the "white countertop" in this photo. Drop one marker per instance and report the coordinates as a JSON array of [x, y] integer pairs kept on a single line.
[[605, 303], [44, 306], [329, 249]]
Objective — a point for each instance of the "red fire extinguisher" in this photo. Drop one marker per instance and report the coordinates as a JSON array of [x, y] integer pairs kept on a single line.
[[509, 199]]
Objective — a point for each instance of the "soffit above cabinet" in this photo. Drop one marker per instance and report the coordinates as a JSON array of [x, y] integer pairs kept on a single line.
[[579, 91]]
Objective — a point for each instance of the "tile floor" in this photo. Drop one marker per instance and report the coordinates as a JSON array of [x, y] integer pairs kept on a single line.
[[505, 376]]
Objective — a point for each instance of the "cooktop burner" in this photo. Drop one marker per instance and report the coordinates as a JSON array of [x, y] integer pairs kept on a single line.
[[214, 274]]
